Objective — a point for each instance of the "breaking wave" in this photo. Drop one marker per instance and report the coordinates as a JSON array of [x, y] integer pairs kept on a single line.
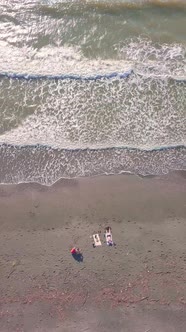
[[46, 165], [101, 92]]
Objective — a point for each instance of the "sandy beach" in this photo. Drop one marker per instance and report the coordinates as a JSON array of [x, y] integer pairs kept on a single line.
[[137, 286], [92, 137]]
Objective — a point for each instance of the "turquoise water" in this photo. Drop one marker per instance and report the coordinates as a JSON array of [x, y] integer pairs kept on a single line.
[[52, 128]]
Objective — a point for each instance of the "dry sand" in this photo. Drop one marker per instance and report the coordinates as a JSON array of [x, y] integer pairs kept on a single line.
[[138, 286]]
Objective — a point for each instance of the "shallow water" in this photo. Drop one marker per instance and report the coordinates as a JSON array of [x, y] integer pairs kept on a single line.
[[66, 107]]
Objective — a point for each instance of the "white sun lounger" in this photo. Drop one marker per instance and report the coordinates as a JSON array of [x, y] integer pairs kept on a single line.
[[96, 239]]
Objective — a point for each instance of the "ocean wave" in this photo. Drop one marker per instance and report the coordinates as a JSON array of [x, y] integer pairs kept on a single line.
[[116, 3], [67, 76], [140, 55], [96, 77], [97, 148], [37, 24], [53, 62], [65, 109], [46, 165], [139, 112], [25, 4]]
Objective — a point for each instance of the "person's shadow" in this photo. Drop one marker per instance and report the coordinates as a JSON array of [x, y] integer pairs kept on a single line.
[[78, 257]]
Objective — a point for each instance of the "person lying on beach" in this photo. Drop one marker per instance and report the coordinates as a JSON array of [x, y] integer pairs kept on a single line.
[[77, 254], [108, 235]]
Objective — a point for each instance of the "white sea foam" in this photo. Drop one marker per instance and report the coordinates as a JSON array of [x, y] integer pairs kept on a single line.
[[138, 54], [79, 114], [146, 110], [64, 60]]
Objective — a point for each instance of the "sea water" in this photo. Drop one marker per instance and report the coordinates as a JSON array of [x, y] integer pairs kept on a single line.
[[90, 88]]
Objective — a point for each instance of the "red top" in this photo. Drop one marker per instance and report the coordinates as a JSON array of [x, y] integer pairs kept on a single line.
[[73, 251]]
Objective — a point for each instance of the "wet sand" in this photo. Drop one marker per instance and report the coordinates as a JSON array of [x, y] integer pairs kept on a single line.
[[138, 286]]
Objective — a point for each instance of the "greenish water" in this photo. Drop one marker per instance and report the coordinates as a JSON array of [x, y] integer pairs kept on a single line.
[[55, 121]]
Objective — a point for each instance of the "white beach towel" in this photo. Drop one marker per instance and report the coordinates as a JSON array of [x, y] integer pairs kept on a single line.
[[97, 241]]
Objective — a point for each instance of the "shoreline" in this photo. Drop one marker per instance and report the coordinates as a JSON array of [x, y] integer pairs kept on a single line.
[[44, 289], [48, 165], [179, 172]]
